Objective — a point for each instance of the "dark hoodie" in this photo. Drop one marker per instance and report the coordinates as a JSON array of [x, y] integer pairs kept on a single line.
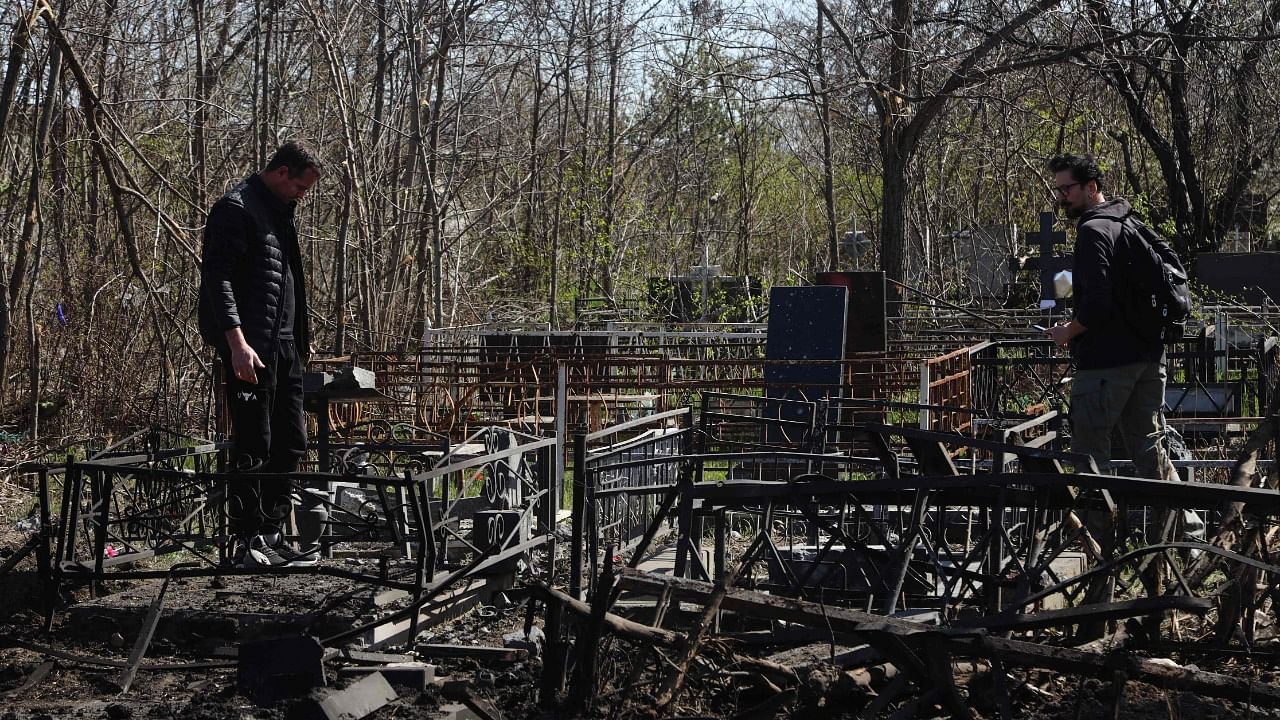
[[1099, 281]]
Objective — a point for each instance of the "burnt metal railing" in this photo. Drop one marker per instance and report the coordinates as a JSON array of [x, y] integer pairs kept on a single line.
[[132, 514], [934, 522], [622, 480]]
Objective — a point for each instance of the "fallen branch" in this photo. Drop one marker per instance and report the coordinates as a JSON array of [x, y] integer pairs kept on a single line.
[[674, 680], [873, 628], [582, 688], [642, 633]]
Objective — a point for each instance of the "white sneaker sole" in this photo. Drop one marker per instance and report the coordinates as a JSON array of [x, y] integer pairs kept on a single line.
[[254, 558]]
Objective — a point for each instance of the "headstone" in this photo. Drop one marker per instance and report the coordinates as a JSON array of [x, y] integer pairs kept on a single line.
[[1251, 277], [348, 381], [734, 298], [982, 252], [490, 528], [865, 324], [805, 323]]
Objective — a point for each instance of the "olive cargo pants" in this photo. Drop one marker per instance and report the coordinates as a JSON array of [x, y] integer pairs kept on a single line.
[[1130, 397]]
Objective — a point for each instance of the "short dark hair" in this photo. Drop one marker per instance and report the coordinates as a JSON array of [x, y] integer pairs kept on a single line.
[[1083, 168], [298, 156]]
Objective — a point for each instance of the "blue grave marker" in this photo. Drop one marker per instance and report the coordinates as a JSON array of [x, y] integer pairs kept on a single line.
[[805, 323]]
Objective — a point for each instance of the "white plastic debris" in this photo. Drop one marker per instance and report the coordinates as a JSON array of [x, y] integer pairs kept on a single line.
[[1062, 284]]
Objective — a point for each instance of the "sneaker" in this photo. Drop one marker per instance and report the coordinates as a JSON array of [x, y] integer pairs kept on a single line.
[[259, 554], [308, 557], [275, 540]]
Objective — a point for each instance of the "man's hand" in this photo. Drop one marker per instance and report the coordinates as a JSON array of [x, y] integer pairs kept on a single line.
[[244, 360], [1063, 332]]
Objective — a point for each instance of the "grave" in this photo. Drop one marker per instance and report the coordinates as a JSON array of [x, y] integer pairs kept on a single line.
[[805, 324]]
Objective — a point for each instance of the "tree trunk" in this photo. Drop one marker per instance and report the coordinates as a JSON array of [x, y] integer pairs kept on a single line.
[[533, 197], [828, 166], [896, 150], [893, 222], [198, 162], [612, 20], [30, 222], [434, 209]]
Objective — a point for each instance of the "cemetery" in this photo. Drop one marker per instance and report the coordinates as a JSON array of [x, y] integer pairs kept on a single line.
[[891, 498], [640, 361]]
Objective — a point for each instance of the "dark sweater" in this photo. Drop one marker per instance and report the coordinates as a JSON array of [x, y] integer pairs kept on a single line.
[[1101, 277]]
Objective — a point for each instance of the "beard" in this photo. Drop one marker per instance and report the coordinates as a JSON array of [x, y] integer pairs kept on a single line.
[[1071, 211]]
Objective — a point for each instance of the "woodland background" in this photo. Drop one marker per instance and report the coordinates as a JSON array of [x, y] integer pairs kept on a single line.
[[492, 162]]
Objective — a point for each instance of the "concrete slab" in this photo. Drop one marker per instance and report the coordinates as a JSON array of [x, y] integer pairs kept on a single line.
[[353, 702], [359, 657], [456, 711], [414, 675], [1066, 565], [481, 653], [445, 607], [662, 562]]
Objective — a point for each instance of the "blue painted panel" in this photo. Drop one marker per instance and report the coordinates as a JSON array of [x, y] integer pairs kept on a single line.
[[805, 323]]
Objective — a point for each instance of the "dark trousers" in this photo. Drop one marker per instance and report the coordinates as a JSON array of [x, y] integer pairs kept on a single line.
[[1128, 397], [269, 437]]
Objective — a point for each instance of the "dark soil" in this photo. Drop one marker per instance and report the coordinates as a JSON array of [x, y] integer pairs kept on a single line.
[[628, 672], [203, 618]]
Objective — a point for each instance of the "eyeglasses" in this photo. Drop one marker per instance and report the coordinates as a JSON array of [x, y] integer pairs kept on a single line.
[[1061, 190]]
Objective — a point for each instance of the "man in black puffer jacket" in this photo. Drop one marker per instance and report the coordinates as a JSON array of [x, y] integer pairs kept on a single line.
[[253, 311]]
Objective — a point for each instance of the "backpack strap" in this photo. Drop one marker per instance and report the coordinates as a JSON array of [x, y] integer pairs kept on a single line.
[[1154, 241]]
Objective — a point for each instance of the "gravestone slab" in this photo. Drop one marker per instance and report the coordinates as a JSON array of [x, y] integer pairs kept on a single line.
[[1251, 277], [865, 323], [805, 324], [355, 701]]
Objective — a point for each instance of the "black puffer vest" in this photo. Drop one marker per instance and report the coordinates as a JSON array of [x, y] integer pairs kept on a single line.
[[247, 237]]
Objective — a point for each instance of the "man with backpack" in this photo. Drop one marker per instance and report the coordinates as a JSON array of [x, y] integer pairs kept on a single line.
[[1117, 342]]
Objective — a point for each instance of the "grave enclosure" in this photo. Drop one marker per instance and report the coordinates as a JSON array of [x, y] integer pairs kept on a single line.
[[908, 471]]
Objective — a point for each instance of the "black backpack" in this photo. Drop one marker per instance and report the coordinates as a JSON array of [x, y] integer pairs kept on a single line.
[[1160, 300]]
